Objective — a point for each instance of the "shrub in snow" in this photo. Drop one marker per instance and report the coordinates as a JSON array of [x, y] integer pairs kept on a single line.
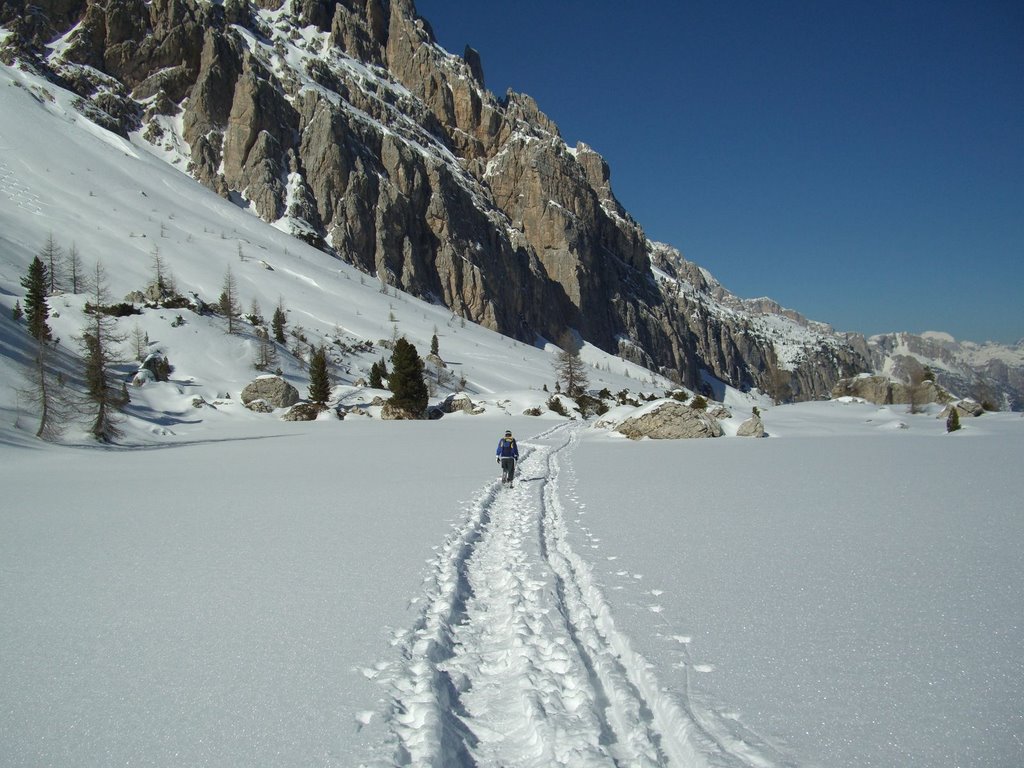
[[555, 405], [590, 406]]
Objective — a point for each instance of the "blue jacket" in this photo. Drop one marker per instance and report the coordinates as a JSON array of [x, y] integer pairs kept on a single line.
[[507, 448]]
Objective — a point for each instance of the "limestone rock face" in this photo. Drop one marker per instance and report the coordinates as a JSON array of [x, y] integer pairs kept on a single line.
[[874, 389], [989, 373], [884, 391], [383, 150], [670, 420], [277, 392]]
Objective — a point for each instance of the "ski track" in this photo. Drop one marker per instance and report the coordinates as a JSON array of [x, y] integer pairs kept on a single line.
[[515, 659]]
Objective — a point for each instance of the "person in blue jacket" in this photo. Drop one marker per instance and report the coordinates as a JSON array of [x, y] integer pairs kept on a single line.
[[508, 455]]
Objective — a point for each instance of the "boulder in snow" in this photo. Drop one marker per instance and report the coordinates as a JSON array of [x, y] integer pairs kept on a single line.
[[277, 392], [303, 412], [391, 412], [752, 427], [965, 407], [259, 406], [669, 420], [460, 401]]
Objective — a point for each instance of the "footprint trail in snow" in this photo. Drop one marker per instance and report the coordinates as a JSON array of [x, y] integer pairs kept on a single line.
[[516, 659]]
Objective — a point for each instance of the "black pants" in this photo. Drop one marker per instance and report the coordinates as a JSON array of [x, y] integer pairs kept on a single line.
[[508, 469]]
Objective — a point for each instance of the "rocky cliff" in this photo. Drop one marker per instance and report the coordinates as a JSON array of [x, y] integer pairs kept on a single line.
[[343, 122], [992, 374]]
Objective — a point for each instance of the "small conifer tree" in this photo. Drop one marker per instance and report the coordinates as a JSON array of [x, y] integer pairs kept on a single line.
[[375, 377], [953, 419], [266, 352], [161, 275], [98, 342], [434, 346], [36, 309], [319, 378], [570, 369], [75, 272], [409, 390], [278, 323], [41, 390], [52, 255], [229, 306]]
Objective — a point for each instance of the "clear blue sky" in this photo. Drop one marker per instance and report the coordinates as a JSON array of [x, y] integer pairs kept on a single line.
[[861, 162]]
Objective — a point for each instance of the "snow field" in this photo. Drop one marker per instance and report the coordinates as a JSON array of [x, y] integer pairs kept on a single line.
[[847, 595]]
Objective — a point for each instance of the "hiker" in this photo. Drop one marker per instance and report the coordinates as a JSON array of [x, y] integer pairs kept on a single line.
[[508, 455]]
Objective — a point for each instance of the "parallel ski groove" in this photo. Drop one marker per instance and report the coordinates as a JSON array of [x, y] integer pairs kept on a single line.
[[516, 659]]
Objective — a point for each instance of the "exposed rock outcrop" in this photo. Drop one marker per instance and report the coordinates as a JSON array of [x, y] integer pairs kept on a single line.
[[884, 391], [669, 420], [992, 374]]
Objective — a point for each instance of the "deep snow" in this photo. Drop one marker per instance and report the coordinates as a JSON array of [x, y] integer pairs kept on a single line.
[[849, 599]]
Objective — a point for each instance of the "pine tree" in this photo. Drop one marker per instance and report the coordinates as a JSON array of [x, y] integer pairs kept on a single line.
[[17, 313], [36, 309], [570, 369], [319, 378], [98, 342], [229, 306], [41, 391], [434, 346], [278, 323], [376, 381], [409, 391]]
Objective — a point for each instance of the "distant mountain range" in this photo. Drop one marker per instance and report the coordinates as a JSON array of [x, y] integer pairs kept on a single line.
[[346, 125]]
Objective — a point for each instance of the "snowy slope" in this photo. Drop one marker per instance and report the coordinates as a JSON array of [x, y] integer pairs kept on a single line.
[[116, 204]]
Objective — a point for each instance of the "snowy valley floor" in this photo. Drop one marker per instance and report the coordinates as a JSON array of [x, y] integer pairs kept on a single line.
[[843, 594]]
